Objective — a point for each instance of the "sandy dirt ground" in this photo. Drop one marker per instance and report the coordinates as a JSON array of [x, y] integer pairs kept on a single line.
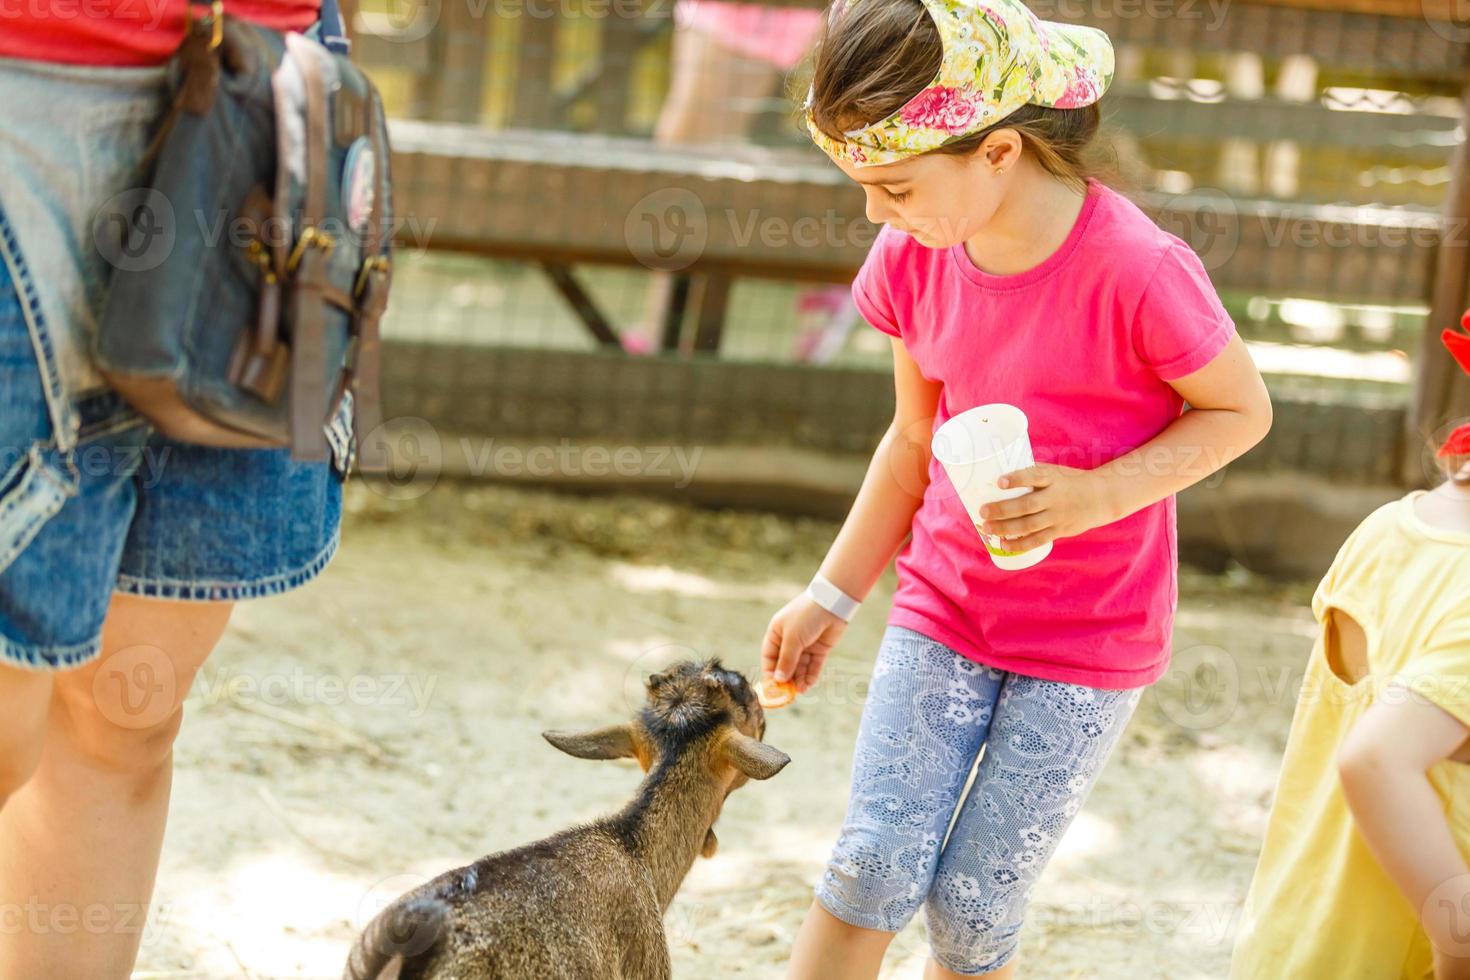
[[382, 724]]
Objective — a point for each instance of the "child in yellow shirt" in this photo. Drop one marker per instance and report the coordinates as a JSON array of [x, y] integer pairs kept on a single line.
[[1363, 872]]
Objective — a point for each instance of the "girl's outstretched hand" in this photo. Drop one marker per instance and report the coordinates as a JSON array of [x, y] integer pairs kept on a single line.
[[1063, 502], [798, 640]]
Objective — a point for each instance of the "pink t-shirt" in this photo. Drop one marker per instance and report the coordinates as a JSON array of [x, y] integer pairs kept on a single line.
[[1084, 344]]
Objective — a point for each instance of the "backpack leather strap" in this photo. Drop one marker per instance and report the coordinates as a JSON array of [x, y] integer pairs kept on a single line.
[[372, 300], [308, 265]]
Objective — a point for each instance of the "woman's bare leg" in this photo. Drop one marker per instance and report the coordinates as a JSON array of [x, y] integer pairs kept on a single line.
[[25, 696], [79, 841]]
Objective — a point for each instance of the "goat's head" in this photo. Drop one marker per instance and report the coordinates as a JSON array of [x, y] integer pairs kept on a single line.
[[692, 707]]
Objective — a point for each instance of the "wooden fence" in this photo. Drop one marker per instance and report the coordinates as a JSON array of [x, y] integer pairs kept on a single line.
[[513, 154]]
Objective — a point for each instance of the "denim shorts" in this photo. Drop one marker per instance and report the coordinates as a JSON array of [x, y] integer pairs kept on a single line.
[[929, 712], [92, 499]]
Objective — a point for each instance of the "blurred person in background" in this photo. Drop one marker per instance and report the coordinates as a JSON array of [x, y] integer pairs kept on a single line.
[[727, 60]]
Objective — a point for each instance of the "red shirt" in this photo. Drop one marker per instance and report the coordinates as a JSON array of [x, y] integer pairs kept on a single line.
[[123, 32]]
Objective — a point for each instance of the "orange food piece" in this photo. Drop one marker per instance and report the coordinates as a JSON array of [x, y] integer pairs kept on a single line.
[[775, 694]]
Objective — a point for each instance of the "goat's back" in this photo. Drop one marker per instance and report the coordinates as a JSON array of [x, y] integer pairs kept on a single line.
[[572, 906]]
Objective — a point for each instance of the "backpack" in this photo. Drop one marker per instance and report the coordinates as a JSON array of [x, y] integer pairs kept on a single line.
[[255, 265]]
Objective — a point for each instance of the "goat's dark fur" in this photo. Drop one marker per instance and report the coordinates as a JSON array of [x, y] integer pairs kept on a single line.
[[589, 901]]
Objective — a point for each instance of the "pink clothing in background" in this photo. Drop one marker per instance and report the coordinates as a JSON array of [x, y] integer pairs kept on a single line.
[[780, 37], [1084, 344]]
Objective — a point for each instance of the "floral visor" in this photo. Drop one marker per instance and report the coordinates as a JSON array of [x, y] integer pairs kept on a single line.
[[1458, 444], [998, 56]]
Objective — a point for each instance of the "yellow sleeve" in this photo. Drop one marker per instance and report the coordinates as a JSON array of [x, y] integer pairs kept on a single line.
[[1347, 555], [1440, 673]]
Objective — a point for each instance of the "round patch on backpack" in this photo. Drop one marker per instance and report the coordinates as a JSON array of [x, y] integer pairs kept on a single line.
[[359, 184]]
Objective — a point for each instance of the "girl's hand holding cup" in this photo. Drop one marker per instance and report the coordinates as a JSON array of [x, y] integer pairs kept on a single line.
[[1064, 502], [1019, 506], [798, 640]]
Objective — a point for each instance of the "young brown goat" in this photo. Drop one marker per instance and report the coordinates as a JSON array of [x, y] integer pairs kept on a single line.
[[589, 902]]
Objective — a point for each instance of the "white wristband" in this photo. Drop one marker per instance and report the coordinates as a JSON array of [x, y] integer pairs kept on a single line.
[[831, 598]]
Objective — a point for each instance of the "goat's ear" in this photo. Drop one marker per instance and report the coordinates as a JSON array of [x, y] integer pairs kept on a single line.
[[391, 970], [612, 742], [753, 757], [711, 844]]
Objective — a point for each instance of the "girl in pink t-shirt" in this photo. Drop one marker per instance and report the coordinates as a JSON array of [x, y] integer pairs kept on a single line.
[[1004, 274]]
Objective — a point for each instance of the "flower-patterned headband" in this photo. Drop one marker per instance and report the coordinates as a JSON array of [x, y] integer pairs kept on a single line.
[[997, 57]]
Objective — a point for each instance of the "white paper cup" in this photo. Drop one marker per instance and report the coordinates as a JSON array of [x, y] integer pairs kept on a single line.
[[978, 447]]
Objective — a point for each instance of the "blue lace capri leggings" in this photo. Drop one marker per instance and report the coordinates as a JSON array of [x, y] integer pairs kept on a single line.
[[929, 711]]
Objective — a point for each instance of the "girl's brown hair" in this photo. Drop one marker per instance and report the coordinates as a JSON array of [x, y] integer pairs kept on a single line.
[[876, 55]]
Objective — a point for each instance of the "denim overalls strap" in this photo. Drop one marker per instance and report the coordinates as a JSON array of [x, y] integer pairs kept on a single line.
[[63, 419]]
